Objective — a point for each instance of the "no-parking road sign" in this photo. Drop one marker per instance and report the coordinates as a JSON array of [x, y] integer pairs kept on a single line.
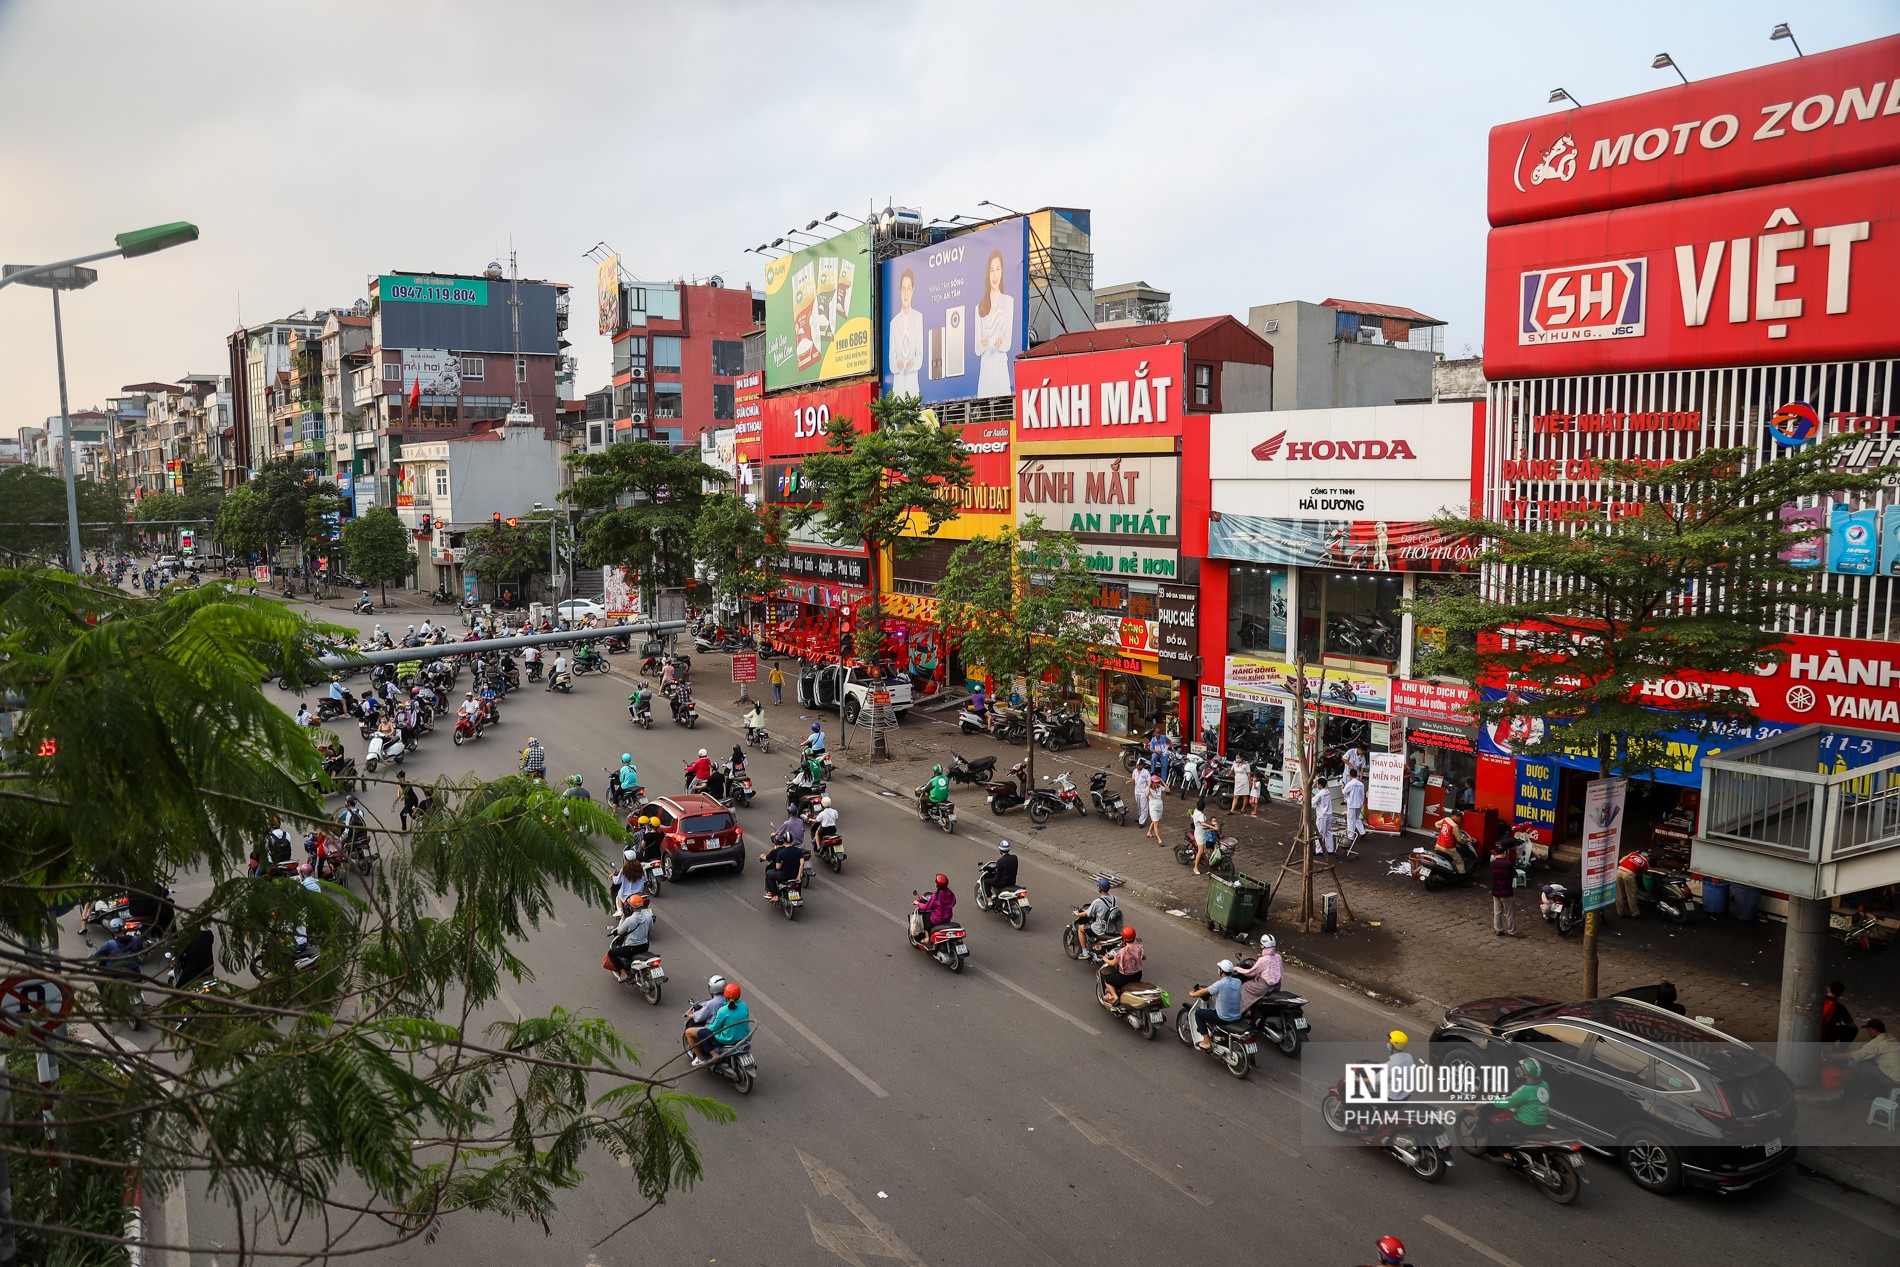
[[31, 1002]]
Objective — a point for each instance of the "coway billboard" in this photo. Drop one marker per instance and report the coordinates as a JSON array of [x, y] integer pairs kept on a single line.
[[956, 315], [818, 312]]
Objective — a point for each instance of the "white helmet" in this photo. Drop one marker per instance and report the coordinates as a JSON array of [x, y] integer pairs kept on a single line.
[[702, 752], [1267, 942], [715, 983], [1226, 966], [825, 801], [630, 855]]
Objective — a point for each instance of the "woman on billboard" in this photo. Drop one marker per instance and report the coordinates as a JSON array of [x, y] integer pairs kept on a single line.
[[995, 332], [906, 340]]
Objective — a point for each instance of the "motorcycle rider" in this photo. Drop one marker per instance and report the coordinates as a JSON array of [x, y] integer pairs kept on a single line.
[[682, 700], [386, 735], [730, 1026], [532, 658], [701, 769], [1525, 1112], [642, 700], [627, 778], [1002, 872], [937, 791], [703, 1014], [556, 671], [1123, 967], [534, 760], [827, 820], [1224, 996], [471, 708], [815, 741], [1264, 975], [411, 803], [1399, 1064], [341, 697], [755, 720], [277, 845], [631, 934], [1097, 921], [652, 840], [783, 863], [792, 829], [933, 911], [1391, 1252], [577, 789]]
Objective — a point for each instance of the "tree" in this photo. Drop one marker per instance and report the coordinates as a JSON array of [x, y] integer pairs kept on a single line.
[[509, 550], [886, 488], [239, 527], [739, 547], [287, 506], [647, 500], [377, 546], [33, 525], [160, 508], [1572, 620], [1021, 604], [358, 1094]]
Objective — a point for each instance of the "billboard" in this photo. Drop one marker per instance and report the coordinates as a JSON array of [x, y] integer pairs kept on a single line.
[[956, 315], [797, 424], [1769, 276], [437, 369], [1393, 462], [1108, 395], [607, 293], [402, 289], [1356, 544], [1819, 115], [818, 312]]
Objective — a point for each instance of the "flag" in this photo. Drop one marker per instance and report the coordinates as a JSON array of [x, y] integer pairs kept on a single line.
[[415, 393]]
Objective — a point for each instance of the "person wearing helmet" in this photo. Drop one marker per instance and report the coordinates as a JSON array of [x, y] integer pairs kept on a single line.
[[1001, 873], [827, 819], [1224, 998], [1391, 1252], [630, 878], [631, 934], [700, 769], [784, 863], [534, 760], [338, 695], [627, 778], [755, 720], [652, 839], [577, 789], [1523, 1113], [815, 741], [1097, 922], [1122, 966], [120, 952], [731, 1025], [1399, 1065], [937, 791], [716, 998], [935, 910], [1263, 976]]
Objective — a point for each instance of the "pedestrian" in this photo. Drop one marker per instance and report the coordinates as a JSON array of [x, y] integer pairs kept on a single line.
[[1884, 1054], [1240, 785], [778, 685], [1158, 753], [1157, 790], [1355, 795], [1323, 817], [1141, 780], [1837, 1023], [1504, 894], [1254, 790], [1629, 874]]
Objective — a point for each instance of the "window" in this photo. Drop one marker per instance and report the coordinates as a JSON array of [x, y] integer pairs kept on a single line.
[[392, 372], [441, 481], [521, 369], [725, 407], [705, 824], [728, 358], [473, 367], [593, 435], [1552, 1039], [623, 348], [1621, 1061], [1354, 615], [666, 354], [1256, 608], [668, 402], [1204, 385]]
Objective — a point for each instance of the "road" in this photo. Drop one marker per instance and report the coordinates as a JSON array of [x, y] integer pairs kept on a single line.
[[907, 1115]]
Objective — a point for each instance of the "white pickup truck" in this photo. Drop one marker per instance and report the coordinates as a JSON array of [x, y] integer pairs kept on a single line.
[[858, 686]]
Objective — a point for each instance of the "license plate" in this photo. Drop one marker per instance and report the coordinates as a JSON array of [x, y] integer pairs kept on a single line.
[[792, 895], [1444, 1141], [1252, 1049], [1772, 1147], [1300, 1022], [962, 949]]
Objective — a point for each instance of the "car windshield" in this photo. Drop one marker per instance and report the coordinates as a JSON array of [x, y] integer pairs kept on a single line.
[[705, 824]]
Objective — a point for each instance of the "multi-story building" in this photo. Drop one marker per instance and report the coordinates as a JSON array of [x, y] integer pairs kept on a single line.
[[345, 345], [1131, 304], [1343, 354], [677, 357], [258, 354], [447, 486]]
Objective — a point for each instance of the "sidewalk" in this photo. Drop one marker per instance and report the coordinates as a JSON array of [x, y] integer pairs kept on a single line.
[[1422, 951]]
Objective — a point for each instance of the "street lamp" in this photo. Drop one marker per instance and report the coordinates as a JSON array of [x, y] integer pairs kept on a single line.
[[1782, 32], [69, 275], [1664, 61], [1563, 94]]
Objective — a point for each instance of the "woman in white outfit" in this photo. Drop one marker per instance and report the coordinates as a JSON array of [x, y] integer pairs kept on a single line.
[[907, 340], [995, 332]]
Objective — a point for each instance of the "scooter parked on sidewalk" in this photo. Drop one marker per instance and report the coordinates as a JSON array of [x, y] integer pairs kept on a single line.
[[1011, 903], [1106, 803], [1561, 905], [1046, 803], [981, 770], [1058, 730], [1420, 1148], [1006, 794]]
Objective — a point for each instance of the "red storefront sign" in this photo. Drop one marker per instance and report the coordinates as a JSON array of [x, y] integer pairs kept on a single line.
[[1783, 274], [745, 667], [796, 423], [1445, 702], [992, 489], [1104, 395], [1806, 117], [748, 412]]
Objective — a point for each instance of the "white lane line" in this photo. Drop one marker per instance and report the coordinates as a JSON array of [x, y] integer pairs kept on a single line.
[[1472, 1242], [759, 997], [1843, 1208], [1227, 1118], [177, 1225], [1032, 1251], [980, 970], [1098, 1135]]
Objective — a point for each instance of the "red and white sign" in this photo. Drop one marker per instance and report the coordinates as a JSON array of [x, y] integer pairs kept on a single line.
[[33, 1003], [748, 412], [796, 423], [1445, 702], [1108, 395], [745, 667], [1819, 115], [1787, 273]]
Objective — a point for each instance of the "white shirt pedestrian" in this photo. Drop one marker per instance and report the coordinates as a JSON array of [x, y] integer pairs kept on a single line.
[[1142, 779], [1355, 791], [1323, 817]]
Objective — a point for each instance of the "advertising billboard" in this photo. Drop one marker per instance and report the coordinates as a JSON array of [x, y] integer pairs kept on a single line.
[[1820, 115], [402, 289], [1108, 395], [607, 293], [818, 312], [796, 424], [956, 315], [438, 370], [1769, 276]]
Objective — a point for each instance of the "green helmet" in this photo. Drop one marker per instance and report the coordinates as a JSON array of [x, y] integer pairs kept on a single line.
[[936, 769], [1531, 1070], [574, 779]]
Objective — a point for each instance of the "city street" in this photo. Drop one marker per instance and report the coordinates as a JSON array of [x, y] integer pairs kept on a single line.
[[905, 1114]]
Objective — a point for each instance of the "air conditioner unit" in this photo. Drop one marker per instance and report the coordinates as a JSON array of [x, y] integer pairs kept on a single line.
[[1272, 327], [639, 375], [638, 417]]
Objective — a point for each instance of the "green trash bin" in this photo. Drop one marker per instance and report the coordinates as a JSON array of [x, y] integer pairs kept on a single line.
[[1233, 905]]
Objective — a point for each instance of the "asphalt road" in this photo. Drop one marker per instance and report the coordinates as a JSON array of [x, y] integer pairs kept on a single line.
[[904, 1114]]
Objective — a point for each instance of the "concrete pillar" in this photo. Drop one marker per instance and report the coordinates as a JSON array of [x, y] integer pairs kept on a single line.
[[1803, 984]]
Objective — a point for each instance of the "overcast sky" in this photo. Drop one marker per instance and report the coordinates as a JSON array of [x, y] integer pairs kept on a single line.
[[1234, 154]]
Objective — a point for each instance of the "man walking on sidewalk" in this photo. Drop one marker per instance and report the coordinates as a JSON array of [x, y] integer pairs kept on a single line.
[[1323, 817], [1140, 780], [778, 685], [1504, 894], [1355, 792]]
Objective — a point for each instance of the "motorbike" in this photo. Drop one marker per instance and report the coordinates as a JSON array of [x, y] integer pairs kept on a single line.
[[1192, 767], [1280, 1018], [1011, 903], [1143, 1006], [1561, 905], [686, 714], [639, 712], [1056, 731], [1669, 894], [1554, 1167], [791, 894], [1234, 1043], [1444, 867], [759, 737], [536, 667], [328, 708], [1420, 1149], [342, 773], [943, 813], [1080, 944], [1046, 803], [1106, 803], [617, 797], [1006, 794], [442, 598], [644, 973], [491, 710], [981, 770], [735, 1063], [738, 789], [303, 953], [466, 728], [596, 663], [1218, 860], [362, 607], [562, 682], [945, 943], [1007, 727], [828, 848], [381, 750]]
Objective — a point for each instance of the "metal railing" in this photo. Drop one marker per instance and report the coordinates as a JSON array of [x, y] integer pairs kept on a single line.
[[1786, 797]]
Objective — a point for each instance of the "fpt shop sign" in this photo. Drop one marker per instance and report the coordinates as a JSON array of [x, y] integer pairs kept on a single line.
[[1106, 395]]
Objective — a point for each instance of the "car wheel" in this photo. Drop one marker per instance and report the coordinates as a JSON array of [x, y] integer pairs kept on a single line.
[[1655, 1166], [851, 712], [669, 870]]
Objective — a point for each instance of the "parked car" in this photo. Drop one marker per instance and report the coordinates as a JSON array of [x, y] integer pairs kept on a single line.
[[1673, 1101], [700, 833], [575, 610], [167, 561]]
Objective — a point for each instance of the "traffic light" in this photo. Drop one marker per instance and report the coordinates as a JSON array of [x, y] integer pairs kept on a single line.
[[185, 539], [513, 522], [428, 523], [497, 518]]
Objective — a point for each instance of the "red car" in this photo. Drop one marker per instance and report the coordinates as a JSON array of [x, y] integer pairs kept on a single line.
[[700, 833]]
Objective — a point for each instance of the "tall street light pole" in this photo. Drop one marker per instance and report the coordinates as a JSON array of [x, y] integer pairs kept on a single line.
[[69, 275]]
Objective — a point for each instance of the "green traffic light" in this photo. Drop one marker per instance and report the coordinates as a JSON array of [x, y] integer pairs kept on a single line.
[[157, 238]]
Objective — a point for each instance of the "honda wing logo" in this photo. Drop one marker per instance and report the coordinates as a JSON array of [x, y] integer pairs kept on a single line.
[[1584, 303], [1266, 449], [1559, 162]]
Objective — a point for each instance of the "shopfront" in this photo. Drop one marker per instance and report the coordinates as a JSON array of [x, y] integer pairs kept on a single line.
[[1440, 738], [811, 610]]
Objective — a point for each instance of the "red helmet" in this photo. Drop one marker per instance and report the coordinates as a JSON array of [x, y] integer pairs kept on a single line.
[[1391, 1250], [1128, 933], [943, 881], [732, 996]]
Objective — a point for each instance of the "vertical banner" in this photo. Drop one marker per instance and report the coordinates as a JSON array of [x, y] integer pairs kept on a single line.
[[607, 293], [622, 592], [1385, 791], [1890, 543], [1603, 802]]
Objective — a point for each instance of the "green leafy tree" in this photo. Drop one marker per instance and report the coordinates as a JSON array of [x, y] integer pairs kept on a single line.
[[33, 515], [160, 508], [286, 509], [509, 551], [1021, 603], [203, 492], [1572, 620], [887, 489], [240, 527], [377, 546], [362, 1093], [646, 501], [738, 547]]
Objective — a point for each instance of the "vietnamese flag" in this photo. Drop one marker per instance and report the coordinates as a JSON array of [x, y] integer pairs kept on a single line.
[[415, 394]]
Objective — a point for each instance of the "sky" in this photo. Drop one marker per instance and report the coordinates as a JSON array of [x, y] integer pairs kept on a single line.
[[1232, 153]]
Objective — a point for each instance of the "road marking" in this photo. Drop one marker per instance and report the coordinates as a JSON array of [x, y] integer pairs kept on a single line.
[[994, 975], [759, 997], [872, 1237], [177, 1224], [1841, 1207], [1226, 1118], [1033, 1251], [1471, 1242], [1099, 1135], [796, 1056]]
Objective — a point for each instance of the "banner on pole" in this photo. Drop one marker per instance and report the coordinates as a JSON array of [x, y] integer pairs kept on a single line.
[[1603, 802], [1385, 791]]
